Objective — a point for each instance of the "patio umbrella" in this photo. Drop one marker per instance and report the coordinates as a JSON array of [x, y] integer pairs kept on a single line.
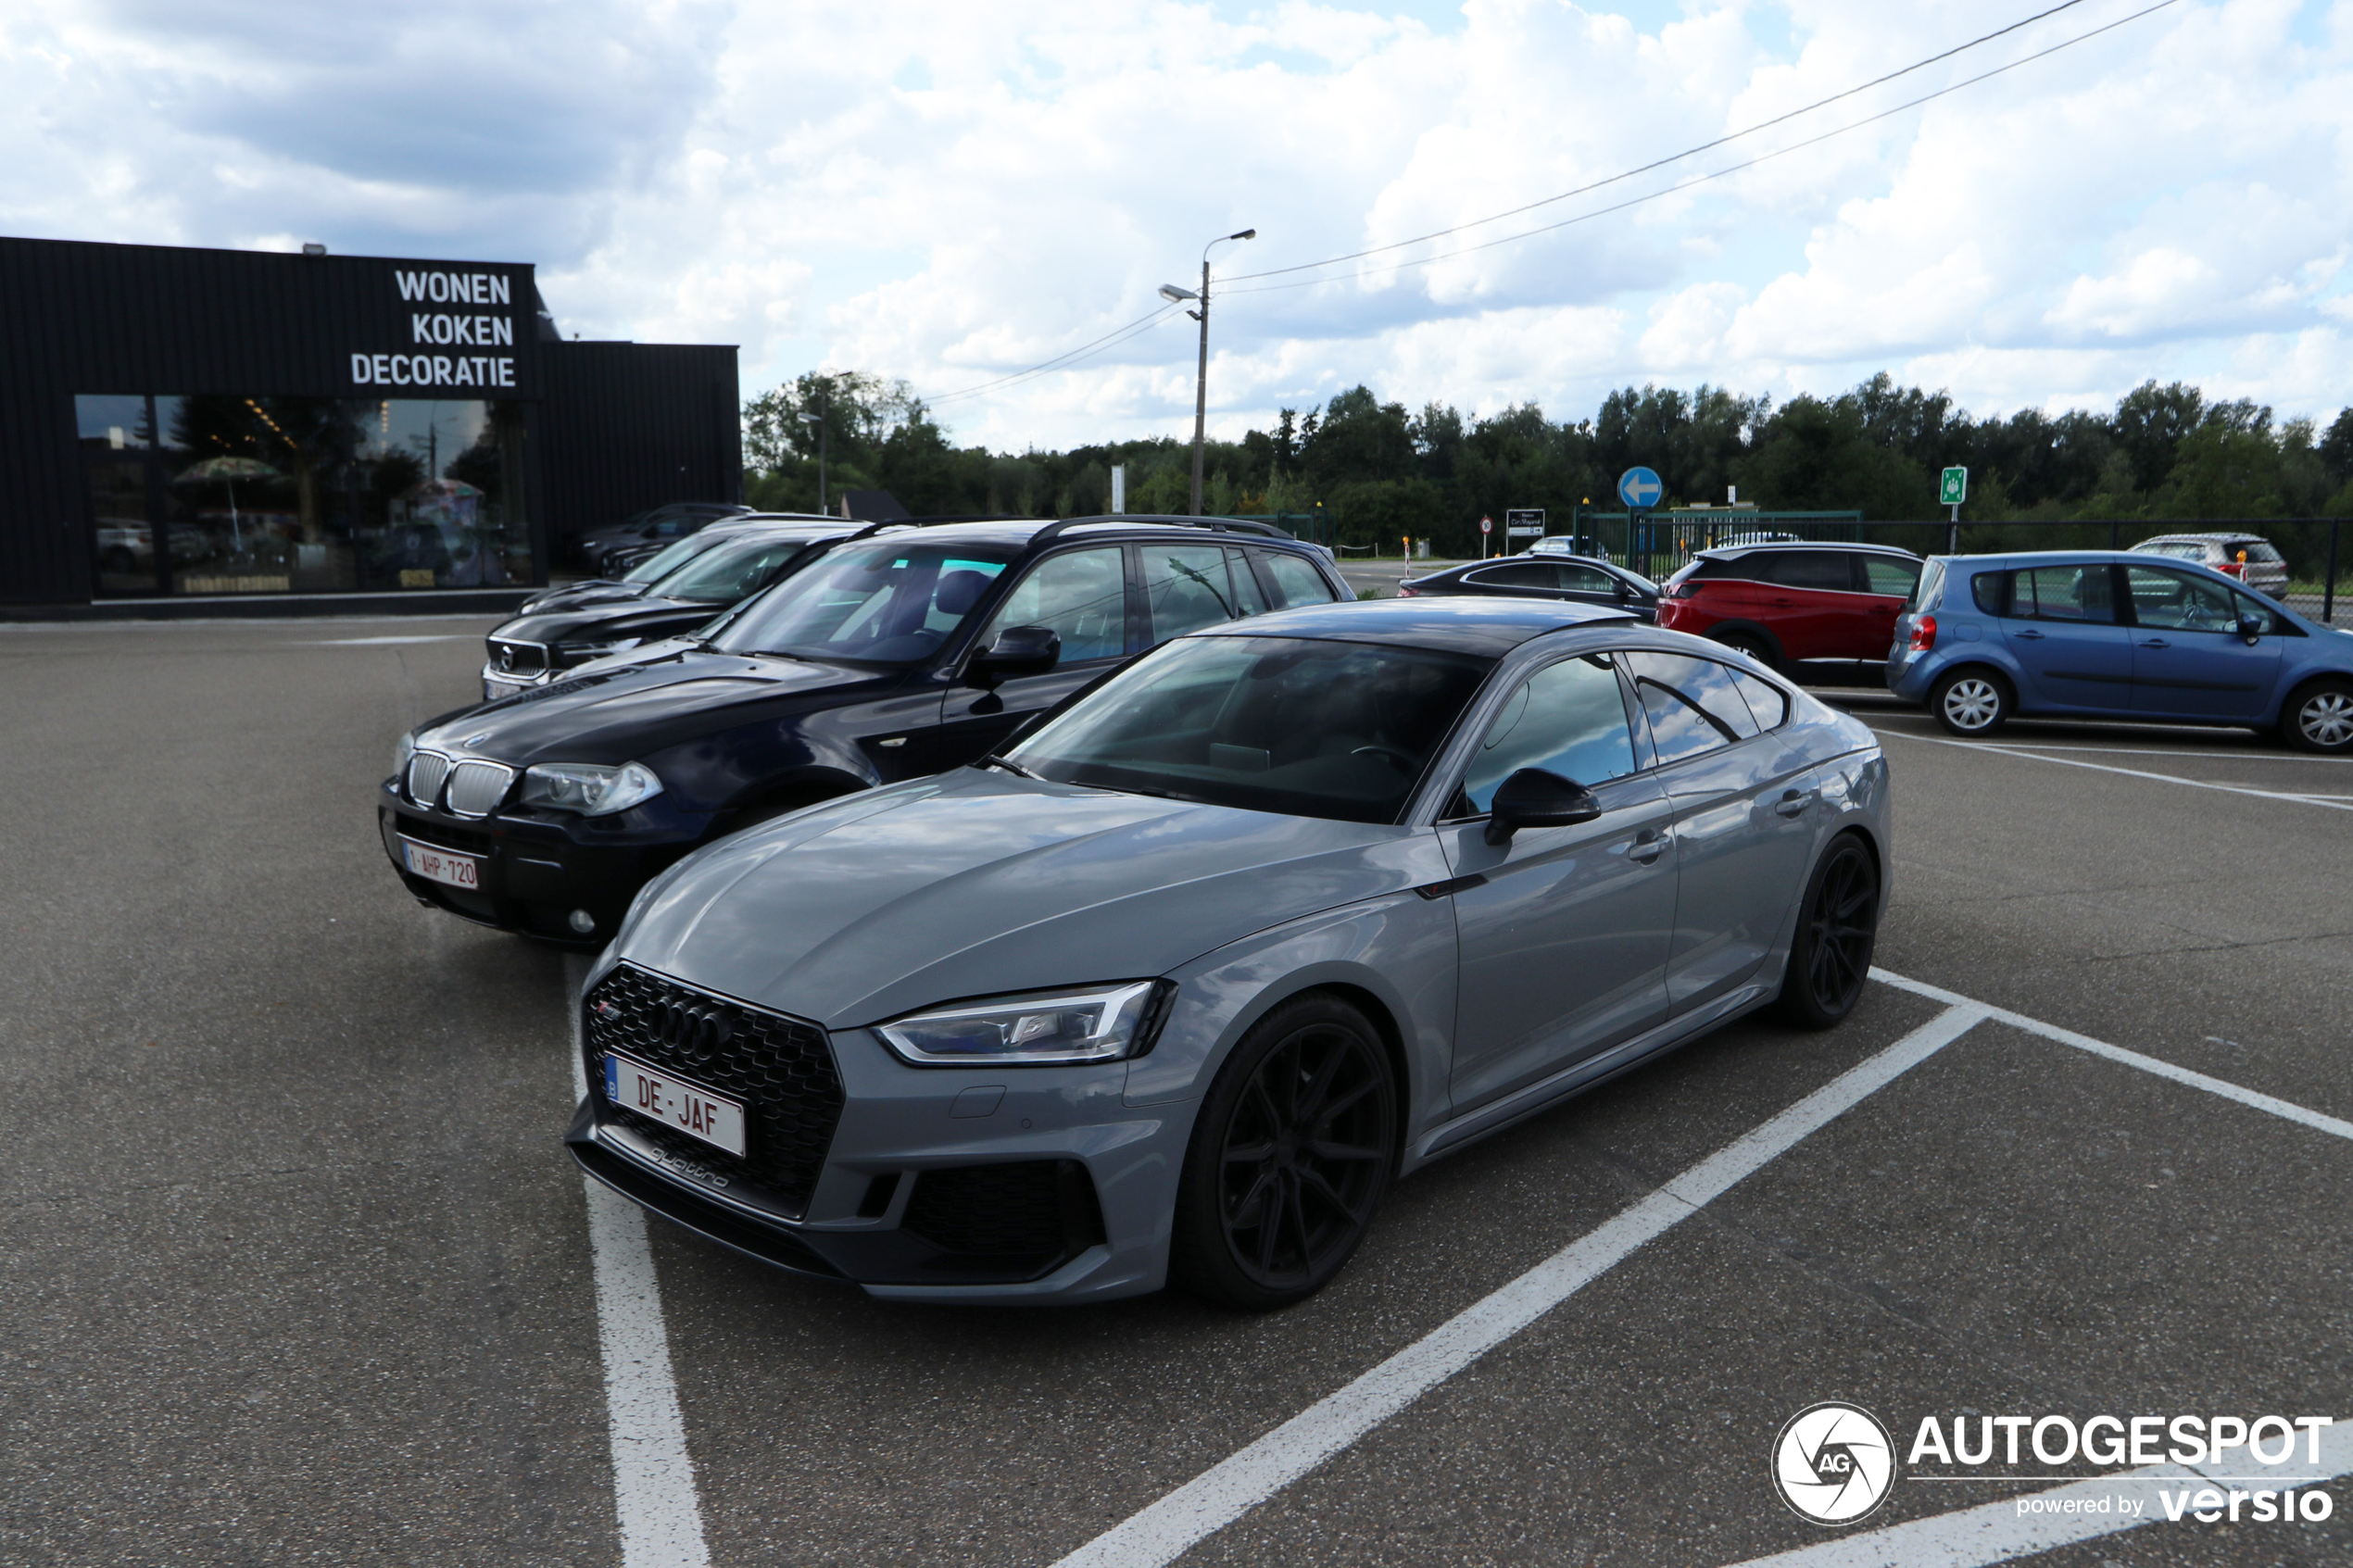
[[228, 471]]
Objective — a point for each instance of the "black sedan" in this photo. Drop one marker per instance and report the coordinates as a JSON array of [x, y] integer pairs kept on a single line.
[[655, 528], [888, 657], [1573, 578], [553, 637]]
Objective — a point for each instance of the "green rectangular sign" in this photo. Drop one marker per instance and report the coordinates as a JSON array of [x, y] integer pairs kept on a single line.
[[1955, 488]]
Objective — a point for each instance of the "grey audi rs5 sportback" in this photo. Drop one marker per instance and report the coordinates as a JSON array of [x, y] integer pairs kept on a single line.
[[1173, 987]]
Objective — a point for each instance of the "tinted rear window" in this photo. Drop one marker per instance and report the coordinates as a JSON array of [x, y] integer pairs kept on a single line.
[[2257, 549], [1804, 568]]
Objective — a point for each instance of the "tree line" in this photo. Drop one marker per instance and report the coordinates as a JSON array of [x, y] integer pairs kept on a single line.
[[1371, 472]]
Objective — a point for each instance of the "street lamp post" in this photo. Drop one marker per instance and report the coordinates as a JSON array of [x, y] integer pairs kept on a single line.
[[818, 418], [1175, 296]]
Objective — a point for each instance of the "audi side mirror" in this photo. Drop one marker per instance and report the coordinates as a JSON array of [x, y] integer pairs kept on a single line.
[[2251, 629], [1534, 798], [1018, 651]]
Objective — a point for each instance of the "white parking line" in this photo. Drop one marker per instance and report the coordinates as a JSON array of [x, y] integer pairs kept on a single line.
[[1226, 1491], [653, 1477], [382, 642], [1997, 1532], [2330, 803], [2215, 752], [2315, 1120]]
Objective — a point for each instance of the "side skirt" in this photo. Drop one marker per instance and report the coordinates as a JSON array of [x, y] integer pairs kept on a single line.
[[1590, 1072]]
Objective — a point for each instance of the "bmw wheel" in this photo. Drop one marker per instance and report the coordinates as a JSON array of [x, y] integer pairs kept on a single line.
[[1837, 929], [1970, 703], [1290, 1159]]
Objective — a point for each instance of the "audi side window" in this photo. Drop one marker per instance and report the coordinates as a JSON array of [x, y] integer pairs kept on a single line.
[[1692, 704], [1567, 718], [1081, 596], [1296, 583], [1766, 701]]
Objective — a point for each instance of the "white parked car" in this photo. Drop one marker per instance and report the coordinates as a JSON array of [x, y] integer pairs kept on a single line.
[[2252, 560]]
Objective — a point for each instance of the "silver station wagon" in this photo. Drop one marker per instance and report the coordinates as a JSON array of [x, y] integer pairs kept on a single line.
[[1173, 988]]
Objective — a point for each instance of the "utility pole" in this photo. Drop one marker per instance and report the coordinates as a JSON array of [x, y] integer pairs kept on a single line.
[[818, 418], [1175, 295]]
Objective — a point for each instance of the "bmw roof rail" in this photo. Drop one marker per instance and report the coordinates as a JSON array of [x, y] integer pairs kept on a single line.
[[1214, 524]]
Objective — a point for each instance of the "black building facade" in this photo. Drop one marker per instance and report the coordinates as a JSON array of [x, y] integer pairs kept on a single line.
[[180, 424]]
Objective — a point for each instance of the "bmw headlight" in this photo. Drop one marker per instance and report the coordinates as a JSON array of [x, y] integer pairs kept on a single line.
[[588, 788], [1090, 1023], [402, 749]]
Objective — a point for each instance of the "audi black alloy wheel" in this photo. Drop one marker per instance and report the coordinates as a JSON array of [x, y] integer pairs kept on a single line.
[[1837, 928], [1290, 1159]]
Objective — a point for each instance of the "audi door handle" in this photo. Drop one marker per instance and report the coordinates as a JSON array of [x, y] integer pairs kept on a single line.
[[1649, 845], [1794, 802], [2157, 642]]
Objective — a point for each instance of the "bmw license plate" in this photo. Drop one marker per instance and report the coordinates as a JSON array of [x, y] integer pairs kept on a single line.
[[695, 1111], [439, 865]]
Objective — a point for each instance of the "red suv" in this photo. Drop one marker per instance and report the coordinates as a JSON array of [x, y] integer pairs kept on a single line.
[[1784, 603]]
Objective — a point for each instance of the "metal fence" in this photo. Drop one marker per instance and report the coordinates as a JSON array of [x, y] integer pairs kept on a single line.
[[1657, 543]]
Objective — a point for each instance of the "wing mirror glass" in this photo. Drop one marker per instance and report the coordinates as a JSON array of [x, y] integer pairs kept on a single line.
[[1534, 798], [1018, 651], [2251, 628]]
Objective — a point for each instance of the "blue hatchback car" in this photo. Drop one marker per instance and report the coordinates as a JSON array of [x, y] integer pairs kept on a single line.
[[2108, 635]]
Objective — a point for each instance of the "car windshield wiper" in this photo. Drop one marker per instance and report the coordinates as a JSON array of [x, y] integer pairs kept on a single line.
[[1155, 794], [1009, 766]]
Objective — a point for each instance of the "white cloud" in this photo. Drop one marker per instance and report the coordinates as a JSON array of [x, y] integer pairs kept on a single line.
[[951, 192]]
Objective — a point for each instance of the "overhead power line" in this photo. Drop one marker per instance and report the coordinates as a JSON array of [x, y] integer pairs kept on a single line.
[[1145, 323], [1679, 185], [1673, 157]]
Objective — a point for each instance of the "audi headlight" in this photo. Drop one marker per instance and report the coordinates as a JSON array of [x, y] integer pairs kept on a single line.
[[587, 788], [1090, 1023]]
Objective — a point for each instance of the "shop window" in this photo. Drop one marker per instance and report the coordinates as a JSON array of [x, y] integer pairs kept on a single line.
[[225, 493]]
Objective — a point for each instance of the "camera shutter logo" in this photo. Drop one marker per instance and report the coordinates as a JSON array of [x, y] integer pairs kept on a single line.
[[1833, 1463]]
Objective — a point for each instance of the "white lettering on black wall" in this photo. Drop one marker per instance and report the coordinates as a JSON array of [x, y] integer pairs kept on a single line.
[[449, 328]]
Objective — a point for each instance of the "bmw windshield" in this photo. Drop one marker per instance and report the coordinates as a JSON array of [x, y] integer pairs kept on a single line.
[[892, 600], [1303, 726], [670, 558], [736, 567]]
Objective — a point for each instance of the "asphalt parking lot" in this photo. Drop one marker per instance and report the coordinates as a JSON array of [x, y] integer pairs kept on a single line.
[[293, 1267]]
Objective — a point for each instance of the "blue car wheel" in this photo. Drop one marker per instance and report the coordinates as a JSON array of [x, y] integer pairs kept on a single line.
[[2320, 718], [1970, 703]]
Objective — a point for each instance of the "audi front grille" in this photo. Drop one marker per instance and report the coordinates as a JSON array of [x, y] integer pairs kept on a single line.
[[780, 1067]]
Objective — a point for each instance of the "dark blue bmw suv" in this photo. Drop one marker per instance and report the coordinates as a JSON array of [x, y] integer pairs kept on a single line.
[[913, 651]]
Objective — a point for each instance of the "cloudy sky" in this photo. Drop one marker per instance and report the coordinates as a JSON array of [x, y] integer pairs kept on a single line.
[[950, 193]]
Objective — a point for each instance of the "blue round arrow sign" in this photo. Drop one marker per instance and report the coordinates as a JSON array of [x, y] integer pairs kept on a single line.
[[1640, 488]]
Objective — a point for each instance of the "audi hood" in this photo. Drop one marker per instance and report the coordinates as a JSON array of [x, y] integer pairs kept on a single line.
[[979, 883]]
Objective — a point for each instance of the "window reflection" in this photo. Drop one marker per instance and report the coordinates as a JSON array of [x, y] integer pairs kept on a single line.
[[225, 493]]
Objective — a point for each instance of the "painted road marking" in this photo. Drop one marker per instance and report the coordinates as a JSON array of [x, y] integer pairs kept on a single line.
[[2317, 1121], [653, 1477], [1996, 1532], [1224, 1493], [382, 642], [1231, 1488], [2328, 802]]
